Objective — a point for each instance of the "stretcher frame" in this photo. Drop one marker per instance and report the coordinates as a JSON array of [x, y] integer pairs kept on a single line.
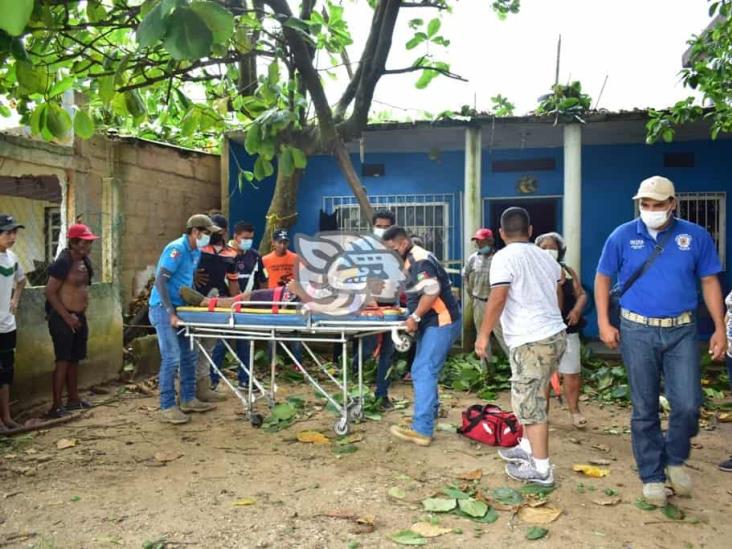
[[313, 330]]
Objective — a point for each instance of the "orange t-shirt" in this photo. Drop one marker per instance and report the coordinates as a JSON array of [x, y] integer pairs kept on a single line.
[[279, 268]]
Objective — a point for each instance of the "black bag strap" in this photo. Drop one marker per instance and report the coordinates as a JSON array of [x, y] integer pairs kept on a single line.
[[658, 248], [475, 420]]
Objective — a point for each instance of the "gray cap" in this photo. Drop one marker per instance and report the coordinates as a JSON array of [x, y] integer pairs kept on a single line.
[[202, 221]]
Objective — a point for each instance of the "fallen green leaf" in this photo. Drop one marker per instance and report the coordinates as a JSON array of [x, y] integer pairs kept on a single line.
[[507, 496], [536, 489], [407, 537], [611, 492], [453, 492], [641, 503], [345, 449], [473, 507], [673, 512], [75, 498], [439, 505], [536, 532]]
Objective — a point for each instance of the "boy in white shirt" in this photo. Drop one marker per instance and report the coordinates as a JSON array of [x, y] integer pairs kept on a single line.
[[11, 278], [525, 296]]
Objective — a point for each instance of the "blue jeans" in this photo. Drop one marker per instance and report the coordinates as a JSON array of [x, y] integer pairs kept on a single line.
[[386, 356], [433, 344], [649, 353], [729, 371], [241, 346], [176, 355]]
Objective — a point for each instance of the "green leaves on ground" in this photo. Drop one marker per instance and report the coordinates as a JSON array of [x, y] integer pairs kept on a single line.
[[642, 504], [535, 533], [439, 505], [407, 537], [673, 512], [283, 414], [473, 507], [507, 496]]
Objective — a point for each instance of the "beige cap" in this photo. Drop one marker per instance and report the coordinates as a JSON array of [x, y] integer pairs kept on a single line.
[[656, 188], [202, 221]]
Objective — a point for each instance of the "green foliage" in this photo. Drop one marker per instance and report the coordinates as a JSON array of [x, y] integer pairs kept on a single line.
[[15, 15], [709, 73], [567, 103], [464, 372], [501, 106], [605, 381]]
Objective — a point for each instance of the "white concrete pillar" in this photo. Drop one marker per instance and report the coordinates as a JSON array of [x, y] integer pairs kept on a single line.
[[472, 205], [572, 205], [473, 201]]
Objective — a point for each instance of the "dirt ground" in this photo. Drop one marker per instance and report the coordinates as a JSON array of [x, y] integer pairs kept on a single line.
[[217, 482]]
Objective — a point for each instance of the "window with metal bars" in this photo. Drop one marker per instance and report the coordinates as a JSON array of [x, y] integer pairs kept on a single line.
[[52, 220], [710, 211], [429, 220]]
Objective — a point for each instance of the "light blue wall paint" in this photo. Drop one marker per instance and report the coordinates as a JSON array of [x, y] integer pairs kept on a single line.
[[610, 177]]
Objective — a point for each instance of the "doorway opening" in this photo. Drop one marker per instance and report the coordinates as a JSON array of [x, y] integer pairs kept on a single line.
[[544, 212]]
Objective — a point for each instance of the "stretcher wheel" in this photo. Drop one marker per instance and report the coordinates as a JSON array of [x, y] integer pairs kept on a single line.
[[256, 420], [402, 343], [355, 411], [341, 427]]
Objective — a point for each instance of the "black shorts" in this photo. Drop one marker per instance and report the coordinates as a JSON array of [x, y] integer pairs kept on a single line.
[[68, 346], [7, 357]]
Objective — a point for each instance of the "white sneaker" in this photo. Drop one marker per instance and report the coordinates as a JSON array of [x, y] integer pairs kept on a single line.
[[679, 479], [514, 455], [526, 471], [655, 493]]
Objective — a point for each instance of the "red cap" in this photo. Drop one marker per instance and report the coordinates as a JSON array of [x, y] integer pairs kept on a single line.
[[482, 234], [80, 231]]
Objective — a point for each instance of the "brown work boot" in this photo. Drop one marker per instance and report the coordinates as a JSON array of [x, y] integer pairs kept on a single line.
[[173, 415], [195, 405], [204, 393], [410, 435], [191, 296]]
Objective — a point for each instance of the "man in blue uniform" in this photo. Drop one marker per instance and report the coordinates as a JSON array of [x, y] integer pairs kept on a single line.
[[435, 317], [658, 334], [176, 268]]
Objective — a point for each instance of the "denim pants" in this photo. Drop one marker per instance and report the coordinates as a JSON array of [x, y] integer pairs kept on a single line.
[[649, 353], [433, 344], [176, 355], [386, 356], [241, 346]]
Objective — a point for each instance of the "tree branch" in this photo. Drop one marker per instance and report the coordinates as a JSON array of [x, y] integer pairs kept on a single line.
[[428, 68], [424, 4], [370, 74]]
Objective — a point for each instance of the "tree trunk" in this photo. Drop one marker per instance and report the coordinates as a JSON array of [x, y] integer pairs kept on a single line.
[[346, 166], [282, 212]]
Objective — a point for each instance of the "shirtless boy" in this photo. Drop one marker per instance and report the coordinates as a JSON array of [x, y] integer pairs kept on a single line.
[[67, 298]]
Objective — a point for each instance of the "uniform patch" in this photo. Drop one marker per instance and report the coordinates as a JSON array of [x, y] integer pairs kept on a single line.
[[174, 253], [638, 244], [683, 241], [422, 276]]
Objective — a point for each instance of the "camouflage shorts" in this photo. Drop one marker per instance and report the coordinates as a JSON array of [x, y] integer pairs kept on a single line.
[[532, 366]]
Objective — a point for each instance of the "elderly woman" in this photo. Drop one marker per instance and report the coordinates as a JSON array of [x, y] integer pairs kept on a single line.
[[573, 303]]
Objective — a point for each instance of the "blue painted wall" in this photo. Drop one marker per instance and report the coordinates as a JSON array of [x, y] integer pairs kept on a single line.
[[610, 177]]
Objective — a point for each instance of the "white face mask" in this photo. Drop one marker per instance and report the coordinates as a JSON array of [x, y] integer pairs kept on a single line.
[[379, 231], [203, 240], [654, 220], [553, 253]]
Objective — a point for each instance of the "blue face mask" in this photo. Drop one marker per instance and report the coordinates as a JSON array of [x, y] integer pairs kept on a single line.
[[485, 250], [245, 244], [203, 240]]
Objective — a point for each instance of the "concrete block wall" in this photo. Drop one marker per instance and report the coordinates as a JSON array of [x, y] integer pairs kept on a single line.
[[34, 361], [159, 188]]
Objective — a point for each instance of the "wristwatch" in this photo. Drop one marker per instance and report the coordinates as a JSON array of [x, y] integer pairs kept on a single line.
[[415, 317]]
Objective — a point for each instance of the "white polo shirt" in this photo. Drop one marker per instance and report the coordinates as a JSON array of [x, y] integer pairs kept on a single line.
[[10, 273], [532, 310]]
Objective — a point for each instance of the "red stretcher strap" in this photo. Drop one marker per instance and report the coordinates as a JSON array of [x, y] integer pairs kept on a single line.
[[212, 304], [237, 306], [278, 291]]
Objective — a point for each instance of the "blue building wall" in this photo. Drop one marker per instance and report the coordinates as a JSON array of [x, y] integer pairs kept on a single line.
[[610, 177]]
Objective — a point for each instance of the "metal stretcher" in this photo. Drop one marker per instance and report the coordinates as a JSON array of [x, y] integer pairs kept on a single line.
[[293, 322]]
